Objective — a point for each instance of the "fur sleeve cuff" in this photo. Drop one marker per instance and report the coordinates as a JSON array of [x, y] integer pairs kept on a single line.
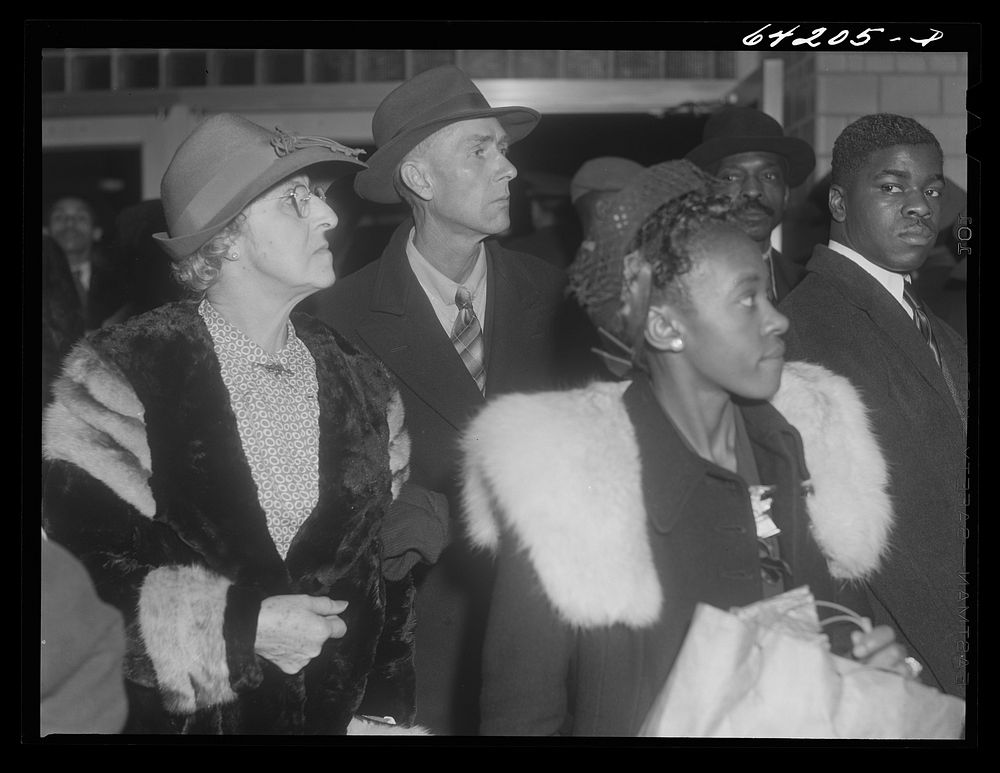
[[399, 444], [182, 612], [379, 726]]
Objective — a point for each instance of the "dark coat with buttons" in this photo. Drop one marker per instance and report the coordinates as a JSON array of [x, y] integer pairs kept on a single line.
[[609, 535]]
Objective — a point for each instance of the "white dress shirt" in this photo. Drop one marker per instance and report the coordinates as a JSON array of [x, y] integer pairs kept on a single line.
[[890, 280], [440, 290]]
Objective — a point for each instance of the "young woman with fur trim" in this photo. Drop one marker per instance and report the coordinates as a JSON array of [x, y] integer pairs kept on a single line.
[[613, 509], [222, 466]]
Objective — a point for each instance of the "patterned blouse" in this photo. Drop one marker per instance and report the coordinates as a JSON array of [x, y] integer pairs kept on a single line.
[[275, 399]]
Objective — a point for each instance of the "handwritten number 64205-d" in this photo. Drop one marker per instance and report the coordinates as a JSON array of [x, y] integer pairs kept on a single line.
[[814, 39]]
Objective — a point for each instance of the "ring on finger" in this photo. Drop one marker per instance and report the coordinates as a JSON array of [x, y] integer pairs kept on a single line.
[[914, 666]]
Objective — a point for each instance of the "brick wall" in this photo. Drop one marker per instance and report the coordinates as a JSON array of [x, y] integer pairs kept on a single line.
[[929, 87]]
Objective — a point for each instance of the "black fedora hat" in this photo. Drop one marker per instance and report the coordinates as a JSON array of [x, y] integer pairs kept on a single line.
[[735, 130], [419, 107]]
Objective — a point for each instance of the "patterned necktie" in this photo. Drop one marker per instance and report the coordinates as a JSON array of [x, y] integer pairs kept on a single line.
[[467, 336], [921, 321]]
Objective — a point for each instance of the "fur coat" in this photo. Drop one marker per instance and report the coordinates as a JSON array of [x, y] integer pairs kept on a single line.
[[148, 485], [608, 530]]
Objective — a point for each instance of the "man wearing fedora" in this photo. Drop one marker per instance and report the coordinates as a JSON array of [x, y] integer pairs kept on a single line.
[[457, 319], [758, 166]]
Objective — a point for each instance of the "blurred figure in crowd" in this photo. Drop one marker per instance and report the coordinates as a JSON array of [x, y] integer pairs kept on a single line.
[[62, 312], [82, 650], [151, 280], [554, 231], [595, 183], [74, 224]]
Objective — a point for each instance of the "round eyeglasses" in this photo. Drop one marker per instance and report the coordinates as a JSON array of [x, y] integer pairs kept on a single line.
[[301, 196]]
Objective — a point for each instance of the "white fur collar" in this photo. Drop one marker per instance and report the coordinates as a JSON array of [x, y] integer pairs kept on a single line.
[[561, 471], [849, 509], [567, 481]]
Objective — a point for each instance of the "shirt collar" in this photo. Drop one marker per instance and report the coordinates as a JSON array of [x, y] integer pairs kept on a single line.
[[235, 346], [83, 271], [436, 284], [890, 280]]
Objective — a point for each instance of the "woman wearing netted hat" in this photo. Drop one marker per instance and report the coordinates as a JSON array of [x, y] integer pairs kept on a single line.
[[222, 465], [613, 509]]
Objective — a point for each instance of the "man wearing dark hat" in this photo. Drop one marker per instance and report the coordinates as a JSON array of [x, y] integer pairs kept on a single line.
[[856, 312], [457, 319], [758, 166]]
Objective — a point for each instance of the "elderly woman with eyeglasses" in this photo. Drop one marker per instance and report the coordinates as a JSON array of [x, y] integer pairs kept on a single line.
[[222, 466]]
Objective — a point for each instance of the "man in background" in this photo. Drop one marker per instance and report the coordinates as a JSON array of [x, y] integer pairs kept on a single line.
[[757, 166], [74, 225]]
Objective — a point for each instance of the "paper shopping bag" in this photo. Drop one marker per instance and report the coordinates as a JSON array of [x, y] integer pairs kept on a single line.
[[765, 671]]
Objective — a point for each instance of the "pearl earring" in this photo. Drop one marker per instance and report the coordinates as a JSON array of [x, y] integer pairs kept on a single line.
[[235, 255], [676, 345]]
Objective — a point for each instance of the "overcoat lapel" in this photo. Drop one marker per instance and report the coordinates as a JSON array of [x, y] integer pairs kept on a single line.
[[405, 334], [886, 314], [787, 273], [514, 308]]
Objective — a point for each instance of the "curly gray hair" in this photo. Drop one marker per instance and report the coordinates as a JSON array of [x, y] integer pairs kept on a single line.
[[199, 270]]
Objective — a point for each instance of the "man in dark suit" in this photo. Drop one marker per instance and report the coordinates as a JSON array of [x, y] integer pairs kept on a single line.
[[757, 166], [102, 290], [443, 150], [856, 313]]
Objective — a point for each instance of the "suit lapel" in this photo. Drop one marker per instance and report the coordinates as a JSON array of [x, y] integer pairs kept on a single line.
[[404, 332], [513, 308], [886, 314], [786, 273]]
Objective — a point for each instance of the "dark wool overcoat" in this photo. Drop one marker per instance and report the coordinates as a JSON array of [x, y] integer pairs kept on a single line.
[[608, 530], [149, 486], [841, 317], [532, 338]]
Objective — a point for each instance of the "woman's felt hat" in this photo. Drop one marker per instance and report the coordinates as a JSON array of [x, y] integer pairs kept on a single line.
[[735, 130], [227, 162], [419, 107]]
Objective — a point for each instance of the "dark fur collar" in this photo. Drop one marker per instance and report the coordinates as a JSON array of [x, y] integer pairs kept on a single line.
[[201, 480]]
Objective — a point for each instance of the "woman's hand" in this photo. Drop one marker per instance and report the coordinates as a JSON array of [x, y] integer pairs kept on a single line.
[[291, 630], [878, 648]]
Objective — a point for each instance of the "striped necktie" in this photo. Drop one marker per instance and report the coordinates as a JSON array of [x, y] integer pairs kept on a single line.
[[467, 336], [921, 321]]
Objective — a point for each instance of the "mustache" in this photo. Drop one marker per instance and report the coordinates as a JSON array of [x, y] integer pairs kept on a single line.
[[919, 225], [752, 205]]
